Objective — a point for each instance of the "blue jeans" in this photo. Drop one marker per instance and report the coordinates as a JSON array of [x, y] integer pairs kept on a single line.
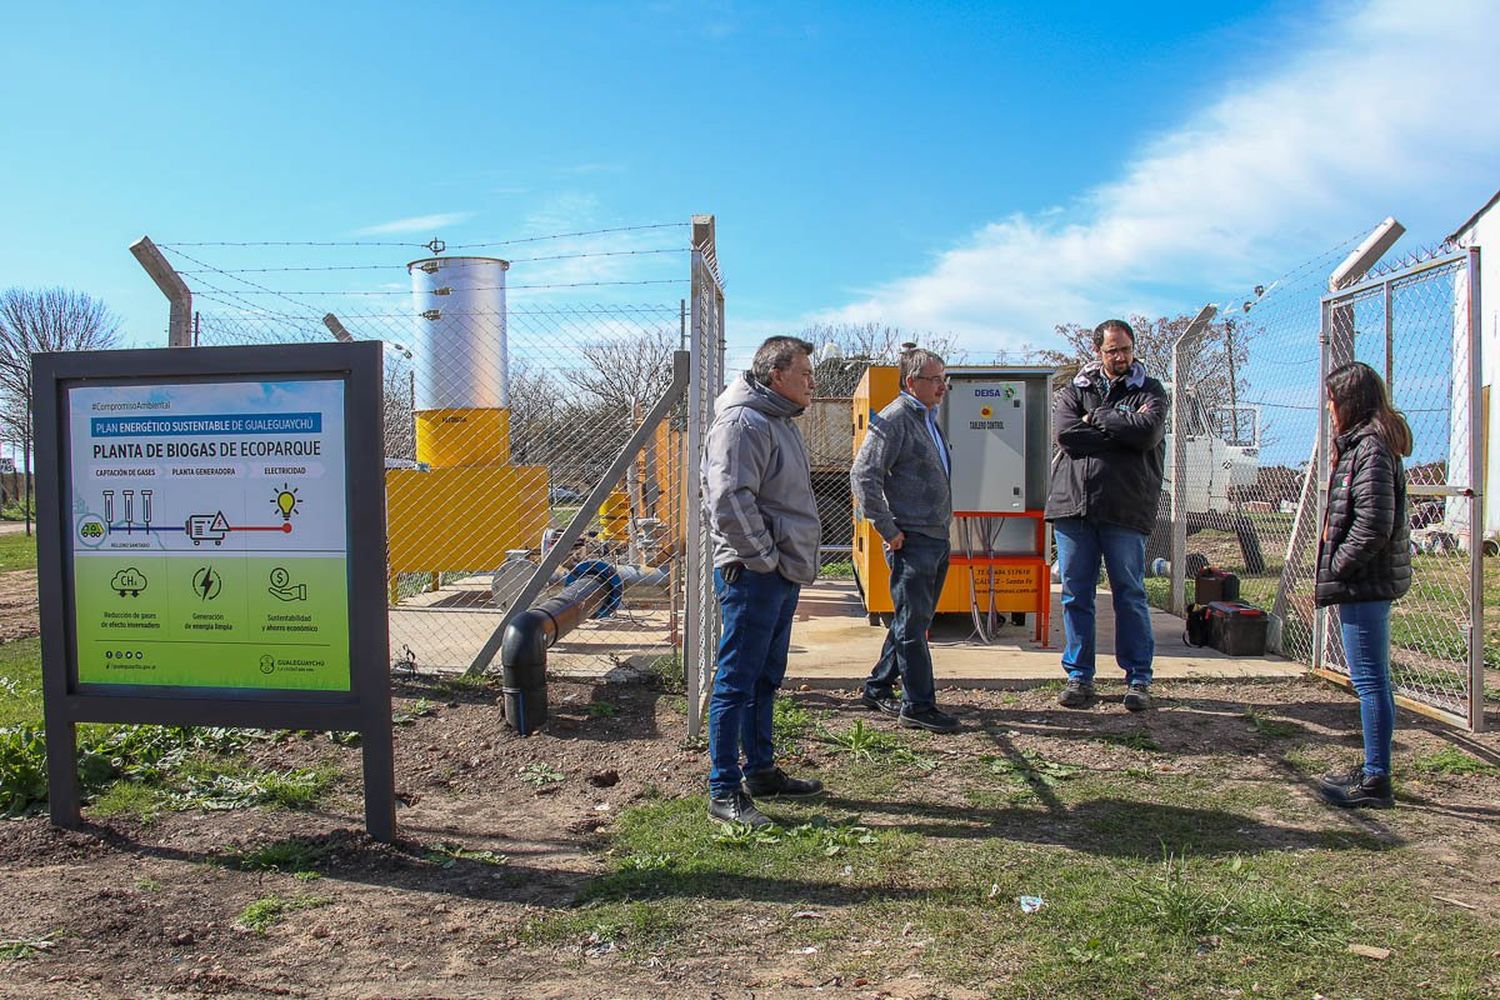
[[1081, 543], [1366, 628], [757, 612], [918, 569]]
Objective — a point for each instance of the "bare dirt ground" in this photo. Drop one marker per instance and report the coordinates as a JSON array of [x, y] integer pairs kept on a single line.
[[18, 610], [130, 909]]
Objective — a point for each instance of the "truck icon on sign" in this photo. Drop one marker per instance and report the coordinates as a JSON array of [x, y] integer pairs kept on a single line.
[[207, 528]]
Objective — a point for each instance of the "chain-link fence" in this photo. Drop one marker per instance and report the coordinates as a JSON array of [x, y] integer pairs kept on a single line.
[[1246, 470], [507, 402], [827, 428], [1244, 418]]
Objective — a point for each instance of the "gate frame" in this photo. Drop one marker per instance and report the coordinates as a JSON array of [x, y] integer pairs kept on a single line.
[[1473, 719]]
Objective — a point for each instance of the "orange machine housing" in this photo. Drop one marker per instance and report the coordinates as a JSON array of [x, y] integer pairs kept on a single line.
[[1022, 582]]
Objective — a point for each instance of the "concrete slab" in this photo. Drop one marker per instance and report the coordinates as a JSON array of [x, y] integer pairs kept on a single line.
[[834, 646]]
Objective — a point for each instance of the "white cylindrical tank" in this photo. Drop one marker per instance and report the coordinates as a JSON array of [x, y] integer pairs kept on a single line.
[[459, 333]]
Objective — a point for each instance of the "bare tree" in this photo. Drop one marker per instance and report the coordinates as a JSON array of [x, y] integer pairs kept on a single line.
[[45, 320], [629, 371], [1216, 375], [859, 345]]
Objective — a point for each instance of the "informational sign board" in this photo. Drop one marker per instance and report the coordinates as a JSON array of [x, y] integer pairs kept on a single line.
[[211, 546]]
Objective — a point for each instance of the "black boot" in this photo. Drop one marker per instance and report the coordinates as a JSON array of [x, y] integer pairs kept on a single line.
[[1358, 789]]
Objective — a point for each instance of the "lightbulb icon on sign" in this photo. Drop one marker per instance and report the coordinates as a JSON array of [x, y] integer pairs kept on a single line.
[[286, 501]]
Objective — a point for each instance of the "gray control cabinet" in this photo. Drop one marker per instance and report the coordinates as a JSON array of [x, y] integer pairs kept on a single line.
[[985, 420]]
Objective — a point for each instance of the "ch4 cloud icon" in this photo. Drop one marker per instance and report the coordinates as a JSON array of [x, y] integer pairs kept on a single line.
[[129, 582]]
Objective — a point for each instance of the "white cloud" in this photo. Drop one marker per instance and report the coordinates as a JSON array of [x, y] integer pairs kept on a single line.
[[415, 224], [1379, 108]]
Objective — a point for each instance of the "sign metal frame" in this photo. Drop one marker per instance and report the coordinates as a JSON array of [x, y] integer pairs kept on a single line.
[[365, 707]]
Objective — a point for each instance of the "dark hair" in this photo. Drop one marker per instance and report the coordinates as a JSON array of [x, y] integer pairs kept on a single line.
[[776, 354], [914, 359], [1360, 397], [1117, 325]]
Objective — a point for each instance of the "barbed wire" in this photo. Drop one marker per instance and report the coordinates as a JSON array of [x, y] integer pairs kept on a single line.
[[223, 296], [421, 246], [257, 289], [458, 262], [330, 293]]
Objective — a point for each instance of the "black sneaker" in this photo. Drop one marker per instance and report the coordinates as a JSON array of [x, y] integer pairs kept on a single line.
[[1373, 790], [886, 705], [736, 808], [774, 784], [1342, 779], [1137, 697], [1076, 694], [930, 719]]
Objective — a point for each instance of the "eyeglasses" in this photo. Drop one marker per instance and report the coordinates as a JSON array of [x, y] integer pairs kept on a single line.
[[1113, 352], [933, 378]]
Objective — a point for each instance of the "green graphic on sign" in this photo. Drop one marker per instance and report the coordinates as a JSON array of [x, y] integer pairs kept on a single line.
[[209, 540]]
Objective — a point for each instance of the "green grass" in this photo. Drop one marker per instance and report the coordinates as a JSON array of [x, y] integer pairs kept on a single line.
[[268, 911], [666, 671], [1168, 887], [170, 767], [837, 569], [864, 742], [1138, 738], [16, 510], [17, 551], [1452, 761], [1274, 729], [791, 722], [540, 775], [292, 856], [446, 854], [19, 948], [20, 681]]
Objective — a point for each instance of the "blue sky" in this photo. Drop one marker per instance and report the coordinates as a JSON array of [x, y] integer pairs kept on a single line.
[[985, 170]]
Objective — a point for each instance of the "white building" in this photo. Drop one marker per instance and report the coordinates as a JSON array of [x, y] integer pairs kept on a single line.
[[1481, 230]]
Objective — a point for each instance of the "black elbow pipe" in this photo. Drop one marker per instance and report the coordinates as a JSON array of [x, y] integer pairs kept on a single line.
[[593, 589]]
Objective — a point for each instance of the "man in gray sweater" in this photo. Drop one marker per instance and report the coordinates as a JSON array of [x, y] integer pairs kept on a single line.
[[900, 484], [763, 523]]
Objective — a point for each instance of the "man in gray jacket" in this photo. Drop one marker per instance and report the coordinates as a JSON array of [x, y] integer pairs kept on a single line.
[[763, 521], [900, 483]]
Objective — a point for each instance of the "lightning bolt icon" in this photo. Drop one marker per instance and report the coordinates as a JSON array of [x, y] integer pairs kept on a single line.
[[208, 581]]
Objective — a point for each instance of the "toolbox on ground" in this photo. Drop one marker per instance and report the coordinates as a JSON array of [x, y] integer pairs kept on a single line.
[[1237, 629], [1213, 584]]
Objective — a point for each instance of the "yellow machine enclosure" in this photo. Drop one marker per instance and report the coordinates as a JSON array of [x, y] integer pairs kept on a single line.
[[460, 437], [446, 520], [469, 507]]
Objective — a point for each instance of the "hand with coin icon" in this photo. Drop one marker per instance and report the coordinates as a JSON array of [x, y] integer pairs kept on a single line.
[[283, 589]]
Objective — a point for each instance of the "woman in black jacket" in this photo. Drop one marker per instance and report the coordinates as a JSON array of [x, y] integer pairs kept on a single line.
[[1364, 563]]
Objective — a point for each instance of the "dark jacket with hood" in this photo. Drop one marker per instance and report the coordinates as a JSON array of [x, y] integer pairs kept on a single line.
[[1108, 466], [1364, 551], [757, 484]]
